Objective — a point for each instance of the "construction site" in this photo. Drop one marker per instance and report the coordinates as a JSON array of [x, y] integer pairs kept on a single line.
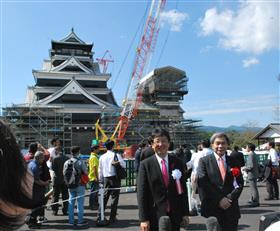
[[71, 99]]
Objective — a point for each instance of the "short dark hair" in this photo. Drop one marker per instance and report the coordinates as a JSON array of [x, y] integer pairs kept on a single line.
[[251, 146], [236, 148], [171, 146], [150, 140], [143, 143], [205, 143], [54, 140], [159, 132], [75, 150], [271, 144], [94, 147], [33, 147], [109, 144], [219, 135]]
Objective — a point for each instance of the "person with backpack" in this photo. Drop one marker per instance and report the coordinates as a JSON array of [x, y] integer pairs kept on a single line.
[[73, 170]]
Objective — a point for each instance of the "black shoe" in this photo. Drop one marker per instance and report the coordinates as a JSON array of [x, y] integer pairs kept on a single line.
[[34, 226], [84, 223], [276, 198], [112, 219], [54, 213], [42, 220], [65, 213], [268, 199], [254, 204]]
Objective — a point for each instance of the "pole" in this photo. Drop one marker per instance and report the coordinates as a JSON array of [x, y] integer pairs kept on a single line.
[[189, 194], [102, 221]]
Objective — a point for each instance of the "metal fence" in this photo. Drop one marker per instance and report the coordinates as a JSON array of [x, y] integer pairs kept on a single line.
[[130, 180]]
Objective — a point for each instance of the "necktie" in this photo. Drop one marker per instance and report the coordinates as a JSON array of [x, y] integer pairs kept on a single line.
[[165, 179], [164, 172], [222, 168]]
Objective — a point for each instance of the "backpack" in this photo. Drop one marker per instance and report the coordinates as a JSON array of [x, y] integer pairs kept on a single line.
[[71, 175]]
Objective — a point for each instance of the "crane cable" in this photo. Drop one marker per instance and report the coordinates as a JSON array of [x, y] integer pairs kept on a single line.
[[131, 44], [165, 41]]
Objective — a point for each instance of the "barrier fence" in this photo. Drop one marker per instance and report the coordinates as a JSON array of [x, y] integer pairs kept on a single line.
[[130, 180]]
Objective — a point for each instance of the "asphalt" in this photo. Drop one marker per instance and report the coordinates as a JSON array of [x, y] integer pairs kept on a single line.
[[128, 215]]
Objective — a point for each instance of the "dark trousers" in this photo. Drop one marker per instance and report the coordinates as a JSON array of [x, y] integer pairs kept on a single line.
[[39, 196], [57, 189], [93, 198], [112, 182], [35, 213], [272, 187], [227, 225]]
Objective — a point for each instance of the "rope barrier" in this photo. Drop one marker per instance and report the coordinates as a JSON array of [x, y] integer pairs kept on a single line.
[[84, 195]]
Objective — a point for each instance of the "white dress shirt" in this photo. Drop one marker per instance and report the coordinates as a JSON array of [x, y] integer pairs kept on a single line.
[[52, 156], [200, 154], [159, 159], [105, 168], [273, 157]]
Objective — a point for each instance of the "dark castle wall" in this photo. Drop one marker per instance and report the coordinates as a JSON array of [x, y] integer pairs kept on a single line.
[[83, 139]]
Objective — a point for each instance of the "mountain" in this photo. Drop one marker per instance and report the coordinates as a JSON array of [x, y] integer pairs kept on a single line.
[[227, 129]]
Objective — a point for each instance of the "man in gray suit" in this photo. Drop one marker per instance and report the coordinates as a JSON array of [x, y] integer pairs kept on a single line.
[[252, 168]]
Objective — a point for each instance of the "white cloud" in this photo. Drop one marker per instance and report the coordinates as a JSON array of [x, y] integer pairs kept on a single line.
[[174, 19], [249, 62], [253, 28]]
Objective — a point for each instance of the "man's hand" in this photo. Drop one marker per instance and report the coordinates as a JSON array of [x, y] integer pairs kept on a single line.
[[145, 226], [225, 203], [185, 222]]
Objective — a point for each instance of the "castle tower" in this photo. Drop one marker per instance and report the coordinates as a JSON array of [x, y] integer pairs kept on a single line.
[[68, 97]]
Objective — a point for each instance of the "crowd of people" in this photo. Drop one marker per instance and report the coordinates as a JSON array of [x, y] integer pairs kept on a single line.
[[28, 182]]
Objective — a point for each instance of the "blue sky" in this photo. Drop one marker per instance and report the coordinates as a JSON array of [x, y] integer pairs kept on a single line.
[[229, 50]]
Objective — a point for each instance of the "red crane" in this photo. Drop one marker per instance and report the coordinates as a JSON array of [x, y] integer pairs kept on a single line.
[[105, 62], [145, 48]]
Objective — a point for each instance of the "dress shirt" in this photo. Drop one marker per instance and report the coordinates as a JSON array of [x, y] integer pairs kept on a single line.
[[52, 155], [200, 154], [106, 169], [165, 159], [223, 158], [273, 157]]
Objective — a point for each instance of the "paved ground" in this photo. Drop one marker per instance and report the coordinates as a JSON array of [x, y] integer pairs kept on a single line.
[[128, 215]]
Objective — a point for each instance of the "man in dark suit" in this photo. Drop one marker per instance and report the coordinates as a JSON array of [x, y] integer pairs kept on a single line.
[[148, 151], [158, 194], [237, 158], [218, 189]]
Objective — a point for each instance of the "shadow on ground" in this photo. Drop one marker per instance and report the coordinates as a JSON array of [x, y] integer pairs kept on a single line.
[[196, 227]]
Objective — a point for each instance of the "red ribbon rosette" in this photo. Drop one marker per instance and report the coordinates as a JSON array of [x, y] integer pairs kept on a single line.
[[235, 172]]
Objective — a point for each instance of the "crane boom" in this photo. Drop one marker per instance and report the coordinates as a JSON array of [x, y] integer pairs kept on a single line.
[[147, 43]]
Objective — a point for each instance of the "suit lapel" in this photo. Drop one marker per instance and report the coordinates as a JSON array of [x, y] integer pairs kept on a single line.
[[228, 171], [171, 165], [158, 169], [216, 170]]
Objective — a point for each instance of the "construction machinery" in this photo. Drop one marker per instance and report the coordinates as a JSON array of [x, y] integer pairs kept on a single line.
[[134, 92]]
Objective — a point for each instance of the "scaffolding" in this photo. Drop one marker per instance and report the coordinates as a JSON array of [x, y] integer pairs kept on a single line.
[[39, 124]]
